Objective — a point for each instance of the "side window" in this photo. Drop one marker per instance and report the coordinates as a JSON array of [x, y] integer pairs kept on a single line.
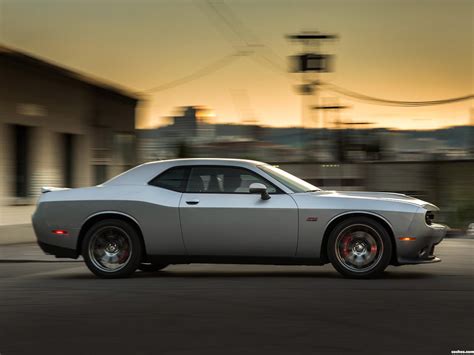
[[173, 179], [219, 179]]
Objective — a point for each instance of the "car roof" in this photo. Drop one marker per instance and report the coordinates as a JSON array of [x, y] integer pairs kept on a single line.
[[205, 161], [145, 172]]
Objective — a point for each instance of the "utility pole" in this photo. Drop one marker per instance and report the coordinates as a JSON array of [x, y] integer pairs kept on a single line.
[[310, 63], [471, 131], [339, 139]]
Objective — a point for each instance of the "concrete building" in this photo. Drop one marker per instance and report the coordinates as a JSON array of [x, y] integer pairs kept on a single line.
[[57, 128]]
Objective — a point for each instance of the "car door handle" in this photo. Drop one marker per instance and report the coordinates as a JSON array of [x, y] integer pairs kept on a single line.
[[192, 202]]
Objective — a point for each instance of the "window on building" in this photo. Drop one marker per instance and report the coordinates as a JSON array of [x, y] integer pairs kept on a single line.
[[124, 149], [68, 159], [100, 173], [21, 158]]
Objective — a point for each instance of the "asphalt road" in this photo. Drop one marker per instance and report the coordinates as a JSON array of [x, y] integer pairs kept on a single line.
[[60, 308]]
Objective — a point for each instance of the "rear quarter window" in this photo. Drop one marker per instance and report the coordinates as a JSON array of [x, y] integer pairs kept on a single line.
[[174, 179]]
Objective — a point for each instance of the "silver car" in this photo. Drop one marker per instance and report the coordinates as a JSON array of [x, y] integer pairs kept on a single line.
[[231, 211]]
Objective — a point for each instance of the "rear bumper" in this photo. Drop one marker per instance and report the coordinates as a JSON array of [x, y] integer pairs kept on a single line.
[[62, 246], [59, 252]]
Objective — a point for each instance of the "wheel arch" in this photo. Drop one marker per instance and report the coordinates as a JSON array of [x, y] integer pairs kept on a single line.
[[343, 216], [100, 216]]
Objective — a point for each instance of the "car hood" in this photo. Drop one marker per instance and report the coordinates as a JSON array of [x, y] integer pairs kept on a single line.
[[386, 196]]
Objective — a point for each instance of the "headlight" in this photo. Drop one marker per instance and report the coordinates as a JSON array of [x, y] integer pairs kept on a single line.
[[429, 217]]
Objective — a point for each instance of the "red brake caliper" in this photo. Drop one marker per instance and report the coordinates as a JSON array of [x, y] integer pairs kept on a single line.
[[345, 244], [123, 257]]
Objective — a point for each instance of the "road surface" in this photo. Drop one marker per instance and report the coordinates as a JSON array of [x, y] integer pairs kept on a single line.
[[50, 307]]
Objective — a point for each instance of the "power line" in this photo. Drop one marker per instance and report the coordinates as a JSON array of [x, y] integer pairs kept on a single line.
[[381, 101], [236, 28], [252, 46], [206, 70], [231, 23]]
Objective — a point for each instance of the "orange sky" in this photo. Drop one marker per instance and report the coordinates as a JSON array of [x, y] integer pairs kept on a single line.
[[400, 50]]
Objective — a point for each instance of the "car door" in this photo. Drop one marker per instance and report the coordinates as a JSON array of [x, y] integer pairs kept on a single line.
[[220, 217]]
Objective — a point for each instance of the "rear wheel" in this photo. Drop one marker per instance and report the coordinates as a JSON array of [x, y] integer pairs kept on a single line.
[[359, 247], [112, 249], [151, 267]]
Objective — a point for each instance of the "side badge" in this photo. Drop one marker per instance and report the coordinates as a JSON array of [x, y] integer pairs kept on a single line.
[[311, 219]]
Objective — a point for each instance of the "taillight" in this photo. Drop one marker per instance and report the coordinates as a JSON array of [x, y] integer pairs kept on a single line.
[[60, 232]]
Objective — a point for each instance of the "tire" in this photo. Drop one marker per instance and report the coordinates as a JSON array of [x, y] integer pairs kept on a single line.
[[112, 249], [359, 247], [150, 267]]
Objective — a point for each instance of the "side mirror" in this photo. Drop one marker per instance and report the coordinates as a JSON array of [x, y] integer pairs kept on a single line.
[[258, 188]]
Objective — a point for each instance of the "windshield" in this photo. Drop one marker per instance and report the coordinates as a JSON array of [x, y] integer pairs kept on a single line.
[[292, 182]]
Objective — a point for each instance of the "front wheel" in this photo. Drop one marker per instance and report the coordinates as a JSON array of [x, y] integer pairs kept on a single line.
[[359, 247], [112, 249]]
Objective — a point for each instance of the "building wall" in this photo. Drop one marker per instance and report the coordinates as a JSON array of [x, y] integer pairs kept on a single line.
[[53, 106]]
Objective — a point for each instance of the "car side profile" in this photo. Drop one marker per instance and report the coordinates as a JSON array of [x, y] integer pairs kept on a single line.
[[231, 211]]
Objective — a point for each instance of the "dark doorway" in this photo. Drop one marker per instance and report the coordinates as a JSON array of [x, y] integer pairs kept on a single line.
[[21, 155], [68, 159], [100, 173]]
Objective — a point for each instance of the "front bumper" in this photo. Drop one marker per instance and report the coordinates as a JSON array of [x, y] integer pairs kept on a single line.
[[421, 249]]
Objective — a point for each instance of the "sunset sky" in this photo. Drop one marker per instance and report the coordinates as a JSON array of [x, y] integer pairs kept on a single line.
[[410, 50]]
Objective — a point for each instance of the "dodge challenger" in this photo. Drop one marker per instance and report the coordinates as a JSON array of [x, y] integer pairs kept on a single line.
[[231, 211]]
